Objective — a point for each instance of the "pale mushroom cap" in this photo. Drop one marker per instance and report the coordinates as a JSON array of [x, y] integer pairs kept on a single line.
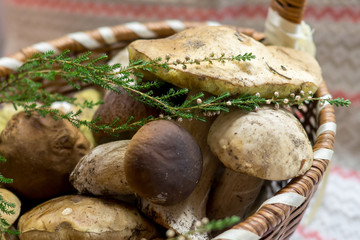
[[81, 217], [101, 171], [268, 144], [274, 69], [12, 198]]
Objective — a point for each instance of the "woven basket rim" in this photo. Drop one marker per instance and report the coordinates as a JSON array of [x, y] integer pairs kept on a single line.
[[269, 219]]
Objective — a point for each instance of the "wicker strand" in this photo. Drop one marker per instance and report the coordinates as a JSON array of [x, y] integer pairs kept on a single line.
[[97, 39], [292, 10]]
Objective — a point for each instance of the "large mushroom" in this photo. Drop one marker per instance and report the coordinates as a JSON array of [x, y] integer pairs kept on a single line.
[[41, 152], [269, 144], [81, 217], [254, 146], [274, 68], [182, 216]]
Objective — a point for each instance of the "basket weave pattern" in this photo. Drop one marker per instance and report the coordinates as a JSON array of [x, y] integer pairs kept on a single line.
[[271, 221]]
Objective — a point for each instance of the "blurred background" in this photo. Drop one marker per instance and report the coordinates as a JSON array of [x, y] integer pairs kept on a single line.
[[336, 26]]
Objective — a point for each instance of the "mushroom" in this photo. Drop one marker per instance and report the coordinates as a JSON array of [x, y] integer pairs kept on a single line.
[[101, 172], [269, 144], [119, 106], [274, 68], [41, 152], [10, 197], [163, 162], [81, 217], [182, 216]]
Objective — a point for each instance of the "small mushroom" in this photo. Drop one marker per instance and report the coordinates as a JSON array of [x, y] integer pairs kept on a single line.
[[41, 152], [119, 106], [269, 144], [81, 217], [101, 172], [163, 162], [10, 198], [274, 68]]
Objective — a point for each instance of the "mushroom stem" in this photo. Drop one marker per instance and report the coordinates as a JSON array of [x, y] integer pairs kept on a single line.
[[233, 193]]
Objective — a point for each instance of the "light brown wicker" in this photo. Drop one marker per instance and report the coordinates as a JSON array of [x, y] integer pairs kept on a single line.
[[271, 221]]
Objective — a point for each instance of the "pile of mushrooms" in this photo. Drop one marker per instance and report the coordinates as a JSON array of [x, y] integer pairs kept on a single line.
[[168, 174]]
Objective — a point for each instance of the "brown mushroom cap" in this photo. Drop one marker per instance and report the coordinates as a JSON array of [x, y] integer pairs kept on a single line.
[[41, 153], [80, 217], [121, 106], [268, 144], [163, 162], [274, 69]]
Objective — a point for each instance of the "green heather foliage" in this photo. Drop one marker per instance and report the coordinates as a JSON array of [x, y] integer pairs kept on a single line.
[[22, 89]]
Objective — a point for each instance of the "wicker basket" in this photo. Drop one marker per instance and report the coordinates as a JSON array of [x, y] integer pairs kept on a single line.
[[273, 220]]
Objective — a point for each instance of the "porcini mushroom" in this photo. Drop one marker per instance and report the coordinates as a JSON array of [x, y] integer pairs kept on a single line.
[[182, 216], [41, 152], [101, 172], [269, 144], [163, 162], [81, 217], [274, 68]]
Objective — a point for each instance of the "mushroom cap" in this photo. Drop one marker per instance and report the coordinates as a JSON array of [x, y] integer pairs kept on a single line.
[[269, 144], [12, 198], [274, 69], [41, 152], [163, 162], [81, 217], [101, 171], [121, 106]]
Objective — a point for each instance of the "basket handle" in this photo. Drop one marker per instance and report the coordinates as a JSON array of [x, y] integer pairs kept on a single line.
[[291, 10]]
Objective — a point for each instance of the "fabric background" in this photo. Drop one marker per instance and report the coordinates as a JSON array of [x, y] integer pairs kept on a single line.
[[337, 37]]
